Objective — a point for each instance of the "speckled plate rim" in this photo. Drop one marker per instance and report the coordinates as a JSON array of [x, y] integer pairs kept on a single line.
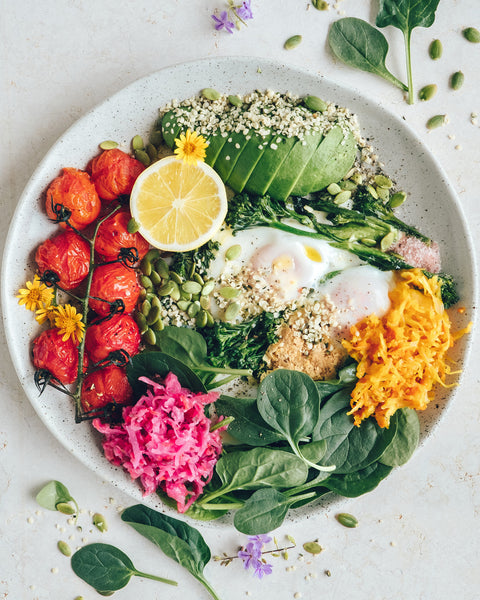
[[132, 111]]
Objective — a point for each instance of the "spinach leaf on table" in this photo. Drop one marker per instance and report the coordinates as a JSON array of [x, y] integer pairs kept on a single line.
[[178, 540], [406, 15], [358, 44]]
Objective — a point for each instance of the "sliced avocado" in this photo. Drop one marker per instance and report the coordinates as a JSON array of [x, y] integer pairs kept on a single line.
[[249, 157], [215, 145], [294, 166], [170, 128], [230, 153], [331, 161], [272, 160]]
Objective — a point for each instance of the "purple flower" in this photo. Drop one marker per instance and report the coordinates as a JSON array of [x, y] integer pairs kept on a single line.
[[251, 555], [223, 22], [245, 11]]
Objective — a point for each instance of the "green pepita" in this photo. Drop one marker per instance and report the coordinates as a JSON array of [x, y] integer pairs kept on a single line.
[[348, 184], [65, 508], [150, 337], [137, 143], [456, 80], [436, 121], [368, 242], [145, 267], [185, 296], [471, 34], [155, 301], [143, 157], [208, 287], [357, 178], [320, 4], [146, 306], [235, 100], [428, 92], [183, 305], [205, 302], [315, 104], [435, 49], [162, 269], [198, 278], [108, 145], [229, 292], [193, 309], [158, 325], [383, 193], [152, 254], [333, 189], [156, 137], [155, 278], [312, 547], [371, 190], [347, 520], [133, 226], [153, 315], [141, 321], [210, 319], [175, 293], [192, 287], [233, 252], [292, 42], [166, 289], [232, 311], [388, 240], [383, 182], [151, 151], [146, 282], [100, 523], [176, 277], [210, 94], [64, 548], [397, 199], [201, 319], [342, 197]]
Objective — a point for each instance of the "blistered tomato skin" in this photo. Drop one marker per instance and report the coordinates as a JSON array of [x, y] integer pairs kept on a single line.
[[113, 235], [112, 282], [105, 385], [57, 356], [118, 333], [68, 255], [114, 172], [75, 191]]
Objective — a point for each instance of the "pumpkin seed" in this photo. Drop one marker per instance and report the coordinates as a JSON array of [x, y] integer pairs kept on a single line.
[[347, 520], [155, 301], [141, 321], [162, 269], [428, 92], [150, 337], [185, 296], [158, 325], [146, 306], [342, 197], [471, 34], [210, 94], [132, 226], [151, 151], [137, 143], [387, 241], [201, 319], [292, 42], [152, 254], [368, 242], [348, 184], [320, 4], [176, 277], [183, 305], [146, 282], [156, 137], [208, 287], [210, 319], [232, 311], [333, 189], [229, 292], [166, 289], [233, 252], [315, 104], [155, 278], [312, 547], [435, 50], [383, 182], [192, 287], [235, 100], [145, 266], [456, 81], [205, 302], [198, 278], [143, 157], [383, 193], [153, 315], [357, 178], [371, 190], [100, 523], [193, 309], [175, 293], [65, 508], [436, 121], [397, 199], [64, 548], [108, 145]]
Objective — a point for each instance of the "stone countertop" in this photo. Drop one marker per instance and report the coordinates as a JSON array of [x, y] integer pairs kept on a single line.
[[418, 531]]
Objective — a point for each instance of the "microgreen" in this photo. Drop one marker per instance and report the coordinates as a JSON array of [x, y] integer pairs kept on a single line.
[[55, 496]]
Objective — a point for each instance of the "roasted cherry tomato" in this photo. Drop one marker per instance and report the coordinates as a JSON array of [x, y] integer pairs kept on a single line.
[[68, 255], [118, 333], [113, 235], [57, 356], [75, 191], [114, 172], [112, 282], [105, 385]]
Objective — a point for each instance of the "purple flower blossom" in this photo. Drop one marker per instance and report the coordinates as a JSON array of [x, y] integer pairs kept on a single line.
[[251, 555], [245, 11], [223, 22]]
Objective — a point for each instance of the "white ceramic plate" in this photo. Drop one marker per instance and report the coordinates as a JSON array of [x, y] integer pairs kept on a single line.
[[432, 207]]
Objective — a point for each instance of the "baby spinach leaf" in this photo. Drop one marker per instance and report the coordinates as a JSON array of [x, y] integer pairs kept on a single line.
[[178, 540], [183, 343], [349, 447], [150, 364], [406, 438], [248, 426], [406, 15], [357, 483], [289, 402], [358, 44], [347, 377], [54, 496], [106, 568]]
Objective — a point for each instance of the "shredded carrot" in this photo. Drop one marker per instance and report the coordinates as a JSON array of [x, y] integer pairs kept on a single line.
[[402, 355]]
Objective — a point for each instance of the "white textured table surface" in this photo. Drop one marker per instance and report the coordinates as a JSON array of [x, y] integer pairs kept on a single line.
[[418, 533]]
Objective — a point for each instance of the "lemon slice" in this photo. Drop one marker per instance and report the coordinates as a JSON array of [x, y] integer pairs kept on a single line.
[[178, 206]]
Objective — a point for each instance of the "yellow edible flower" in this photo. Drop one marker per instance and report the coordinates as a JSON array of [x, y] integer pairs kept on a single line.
[[48, 312], [69, 323], [35, 295], [191, 147]]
